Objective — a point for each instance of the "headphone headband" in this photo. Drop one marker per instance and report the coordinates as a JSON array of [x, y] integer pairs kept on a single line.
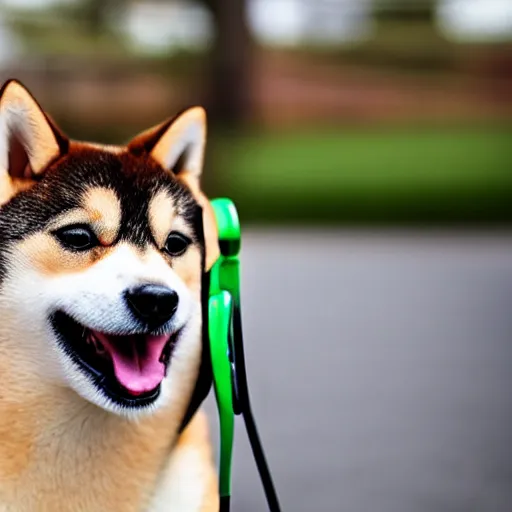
[[227, 354], [223, 354]]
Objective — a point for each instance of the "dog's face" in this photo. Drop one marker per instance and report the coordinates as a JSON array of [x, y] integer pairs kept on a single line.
[[102, 251]]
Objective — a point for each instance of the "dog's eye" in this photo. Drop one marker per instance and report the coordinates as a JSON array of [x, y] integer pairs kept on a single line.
[[176, 244], [78, 238]]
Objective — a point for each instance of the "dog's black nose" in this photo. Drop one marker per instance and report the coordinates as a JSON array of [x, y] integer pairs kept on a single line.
[[152, 303]]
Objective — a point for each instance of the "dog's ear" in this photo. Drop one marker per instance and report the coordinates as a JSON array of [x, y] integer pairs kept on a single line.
[[29, 140], [178, 145]]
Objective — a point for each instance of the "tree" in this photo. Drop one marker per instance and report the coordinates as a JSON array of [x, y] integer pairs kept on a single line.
[[95, 14], [229, 95], [418, 10]]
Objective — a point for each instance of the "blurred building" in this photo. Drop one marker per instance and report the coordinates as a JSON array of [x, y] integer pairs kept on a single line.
[[476, 20], [166, 26], [300, 22], [162, 26]]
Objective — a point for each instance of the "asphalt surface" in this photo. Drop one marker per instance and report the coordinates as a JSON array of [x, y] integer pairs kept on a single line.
[[380, 367]]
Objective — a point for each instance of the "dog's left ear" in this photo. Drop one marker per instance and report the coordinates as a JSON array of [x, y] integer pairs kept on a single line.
[[29, 141], [178, 146]]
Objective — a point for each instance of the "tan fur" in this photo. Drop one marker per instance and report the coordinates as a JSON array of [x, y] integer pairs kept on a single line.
[[59, 452], [210, 226], [161, 213], [109, 148], [18, 432], [192, 461], [185, 266], [49, 258], [104, 211], [89, 459], [9, 186]]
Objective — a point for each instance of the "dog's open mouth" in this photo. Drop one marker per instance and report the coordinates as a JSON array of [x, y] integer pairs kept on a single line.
[[129, 368]]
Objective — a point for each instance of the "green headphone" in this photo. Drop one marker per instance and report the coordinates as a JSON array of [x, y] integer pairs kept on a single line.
[[227, 356]]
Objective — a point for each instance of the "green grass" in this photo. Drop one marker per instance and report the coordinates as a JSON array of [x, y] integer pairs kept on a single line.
[[334, 175]]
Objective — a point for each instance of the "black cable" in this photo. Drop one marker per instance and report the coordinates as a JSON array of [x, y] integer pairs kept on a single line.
[[224, 503], [261, 463], [250, 423]]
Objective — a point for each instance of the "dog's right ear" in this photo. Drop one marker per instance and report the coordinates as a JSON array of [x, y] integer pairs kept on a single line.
[[29, 140]]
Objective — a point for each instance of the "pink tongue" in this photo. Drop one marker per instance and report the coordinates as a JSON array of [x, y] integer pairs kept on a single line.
[[137, 366]]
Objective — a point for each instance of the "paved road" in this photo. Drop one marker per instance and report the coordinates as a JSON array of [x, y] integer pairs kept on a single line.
[[381, 371]]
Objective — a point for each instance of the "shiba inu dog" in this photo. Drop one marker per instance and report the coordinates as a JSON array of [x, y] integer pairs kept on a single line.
[[102, 254]]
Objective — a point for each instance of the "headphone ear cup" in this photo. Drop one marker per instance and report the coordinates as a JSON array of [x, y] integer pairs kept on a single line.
[[220, 330], [220, 306]]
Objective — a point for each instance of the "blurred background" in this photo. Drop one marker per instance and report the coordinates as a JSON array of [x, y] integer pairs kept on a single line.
[[367, 144], [333, 110]]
